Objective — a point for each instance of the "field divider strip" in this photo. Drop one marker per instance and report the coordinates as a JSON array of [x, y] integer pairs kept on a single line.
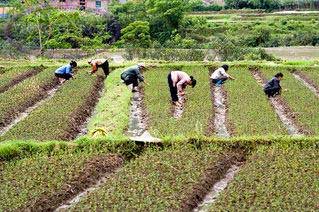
[[283, 111], [49, 95], [307, 82]]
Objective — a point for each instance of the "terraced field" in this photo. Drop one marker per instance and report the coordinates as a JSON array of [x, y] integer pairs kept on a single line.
[[71, 150]]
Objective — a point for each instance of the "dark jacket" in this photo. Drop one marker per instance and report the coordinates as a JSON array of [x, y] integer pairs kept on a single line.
[[131, 73], [274, 83]]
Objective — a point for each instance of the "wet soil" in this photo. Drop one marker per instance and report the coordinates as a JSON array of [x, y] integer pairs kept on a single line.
[[308, 82], [16, 80], [93, 170], [79, 117], [284, 112], [214, 174], [138, 124]]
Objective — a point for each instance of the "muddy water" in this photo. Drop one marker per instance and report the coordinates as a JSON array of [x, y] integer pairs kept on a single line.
[[307, 84], [26, 113], [220, 113], [218, 187], [289, 123], [137, 125]]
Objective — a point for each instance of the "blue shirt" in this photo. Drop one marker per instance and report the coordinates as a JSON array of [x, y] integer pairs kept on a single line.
[[64, 70]]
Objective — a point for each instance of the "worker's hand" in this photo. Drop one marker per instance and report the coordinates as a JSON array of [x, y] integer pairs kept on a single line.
[[182, 93]]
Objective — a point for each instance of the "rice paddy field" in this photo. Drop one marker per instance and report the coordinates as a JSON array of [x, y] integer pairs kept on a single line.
[[67, 147]]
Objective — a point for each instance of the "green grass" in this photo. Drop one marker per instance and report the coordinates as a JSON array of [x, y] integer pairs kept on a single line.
[[112, 111], [274, 179], [20, 96], [250, 112], [24, 181], [155, 181], [198, 108], [53, 119], [301, 100]]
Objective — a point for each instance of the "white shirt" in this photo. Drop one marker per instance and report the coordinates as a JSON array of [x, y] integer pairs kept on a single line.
[[219, 73]]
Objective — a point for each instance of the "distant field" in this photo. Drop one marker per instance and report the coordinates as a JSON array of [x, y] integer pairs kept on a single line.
[[295, 53]]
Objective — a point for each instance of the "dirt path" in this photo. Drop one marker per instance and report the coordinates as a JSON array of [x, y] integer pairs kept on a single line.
[[138, 120], [16, 80], [220, 118], [307, 82], [49, 94], [283, 111], [93, 175], [218, 187]]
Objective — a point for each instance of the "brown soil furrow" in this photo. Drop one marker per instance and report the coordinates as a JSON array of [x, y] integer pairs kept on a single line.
[[42, 93], [214, 174], [284, 112], [308, 82], [16, 80], [93, 170], [79, 116]]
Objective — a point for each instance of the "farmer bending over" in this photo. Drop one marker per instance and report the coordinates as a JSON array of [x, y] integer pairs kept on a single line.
[[177, 82], [219, 76], [132, 75], [272, 87], [65, 72], [103, 63]]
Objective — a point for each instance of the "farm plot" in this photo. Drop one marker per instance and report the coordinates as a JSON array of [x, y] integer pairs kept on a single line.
[[249, 111], [162, 180], [198, 107], [42, 183], [61, 117], [299, 98], [24, 95], [275, 179], [112, 112], [311, 76], [16, 75]]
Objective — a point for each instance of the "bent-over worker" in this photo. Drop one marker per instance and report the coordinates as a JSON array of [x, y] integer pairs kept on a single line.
[[272, 87], [132, 75], [219, 76], [177, 82], [65, 72], [103, 63]]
